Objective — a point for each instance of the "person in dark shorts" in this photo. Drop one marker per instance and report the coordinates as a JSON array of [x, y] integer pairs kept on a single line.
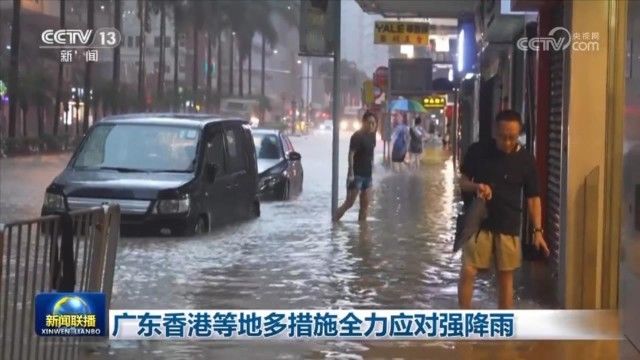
[[359, 178], [500, 171], [416, 136]]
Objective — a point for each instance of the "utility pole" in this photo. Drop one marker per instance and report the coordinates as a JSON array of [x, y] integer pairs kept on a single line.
[[307, 91], [336, 108]]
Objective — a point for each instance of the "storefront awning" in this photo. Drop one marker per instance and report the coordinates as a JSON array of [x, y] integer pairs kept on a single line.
[[418, 9]]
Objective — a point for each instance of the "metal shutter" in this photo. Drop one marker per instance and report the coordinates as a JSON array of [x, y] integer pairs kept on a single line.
[[555, 158]]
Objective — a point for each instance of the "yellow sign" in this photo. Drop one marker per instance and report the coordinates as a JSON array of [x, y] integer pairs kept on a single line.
[[367, 92], [434, 102], [401, 32]]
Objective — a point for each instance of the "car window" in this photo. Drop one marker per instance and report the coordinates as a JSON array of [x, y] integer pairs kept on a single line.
[[267, 146], [289, 144], [215, 151], [285, 144], [235, 150]]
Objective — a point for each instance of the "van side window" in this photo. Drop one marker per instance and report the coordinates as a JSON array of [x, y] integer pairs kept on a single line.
[[215, 150], [235, 150]]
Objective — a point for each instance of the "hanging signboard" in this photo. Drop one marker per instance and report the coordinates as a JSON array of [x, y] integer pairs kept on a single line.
[[401, 32], [410, 77], [316, 29], [434, 102]]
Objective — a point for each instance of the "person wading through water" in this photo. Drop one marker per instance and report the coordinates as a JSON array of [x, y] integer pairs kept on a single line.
[[499, 171]]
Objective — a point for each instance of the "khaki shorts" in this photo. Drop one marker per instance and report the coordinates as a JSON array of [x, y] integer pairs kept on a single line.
[[478, 252]]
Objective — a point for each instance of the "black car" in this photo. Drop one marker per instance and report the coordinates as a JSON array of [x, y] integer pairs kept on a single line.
[[279, 165], [170, 173]]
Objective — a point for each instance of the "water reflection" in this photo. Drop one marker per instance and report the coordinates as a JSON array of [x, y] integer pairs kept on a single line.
[[294, 257]]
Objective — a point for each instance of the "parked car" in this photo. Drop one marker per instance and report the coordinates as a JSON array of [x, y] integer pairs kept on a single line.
[[173, 174], [326, 125], [279, 165]]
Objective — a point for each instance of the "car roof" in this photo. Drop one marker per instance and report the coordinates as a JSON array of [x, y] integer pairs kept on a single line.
[[266, 131], [195, 120]]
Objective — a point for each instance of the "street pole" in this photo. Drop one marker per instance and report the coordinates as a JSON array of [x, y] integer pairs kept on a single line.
[[336, 108], [307, 102], [454, 136]]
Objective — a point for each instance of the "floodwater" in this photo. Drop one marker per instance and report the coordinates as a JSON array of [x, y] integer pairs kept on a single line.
[[293, 257]]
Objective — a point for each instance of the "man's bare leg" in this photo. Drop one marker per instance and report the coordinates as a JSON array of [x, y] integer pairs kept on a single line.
[[364, 204], [352, 195], [505, 289], [465, 286]]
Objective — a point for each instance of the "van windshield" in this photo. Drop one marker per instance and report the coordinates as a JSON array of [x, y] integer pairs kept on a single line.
[[144, 148]]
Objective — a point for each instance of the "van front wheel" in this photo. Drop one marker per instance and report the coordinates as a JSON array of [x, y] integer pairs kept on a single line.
[[193, 228], [200, 227]]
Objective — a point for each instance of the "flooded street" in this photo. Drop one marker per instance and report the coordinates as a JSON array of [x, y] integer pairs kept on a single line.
[[294, 257]]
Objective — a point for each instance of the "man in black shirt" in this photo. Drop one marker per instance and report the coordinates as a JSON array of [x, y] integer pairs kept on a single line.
[[499, 171], [359, 179]]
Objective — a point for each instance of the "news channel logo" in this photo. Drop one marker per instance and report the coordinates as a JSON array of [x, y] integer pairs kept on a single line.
[[103, 38], [70, 314]]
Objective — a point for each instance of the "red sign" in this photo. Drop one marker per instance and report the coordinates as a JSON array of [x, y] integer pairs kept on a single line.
[[448, 111]]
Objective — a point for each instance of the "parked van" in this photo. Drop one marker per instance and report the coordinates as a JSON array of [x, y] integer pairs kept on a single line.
[[170, 174]]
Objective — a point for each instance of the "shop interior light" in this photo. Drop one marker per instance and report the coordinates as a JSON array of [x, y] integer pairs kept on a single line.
[[442, 43], [461, 51], [469, 76], [407, 50]]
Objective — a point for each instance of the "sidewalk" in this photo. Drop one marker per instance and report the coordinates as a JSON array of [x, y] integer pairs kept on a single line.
[[23, 181]]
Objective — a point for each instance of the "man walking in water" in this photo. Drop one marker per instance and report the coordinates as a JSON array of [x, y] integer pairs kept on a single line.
[[359, 178], [499, 171]]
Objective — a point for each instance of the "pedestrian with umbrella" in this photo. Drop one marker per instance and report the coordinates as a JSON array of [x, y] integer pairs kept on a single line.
[[401, 134], [400, 141]]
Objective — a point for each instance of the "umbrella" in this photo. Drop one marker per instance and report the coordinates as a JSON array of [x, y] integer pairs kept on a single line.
[[406, 105], [469, 222]]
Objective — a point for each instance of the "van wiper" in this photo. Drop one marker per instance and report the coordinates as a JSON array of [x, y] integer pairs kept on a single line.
[[170, 171], [120, 169]]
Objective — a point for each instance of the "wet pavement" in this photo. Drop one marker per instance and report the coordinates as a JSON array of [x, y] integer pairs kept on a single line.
[[294, 257], [23, 181]]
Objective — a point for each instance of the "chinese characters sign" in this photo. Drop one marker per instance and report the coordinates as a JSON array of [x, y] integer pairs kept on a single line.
[[361, 324], [401, 32], [299, 324], [434, 101], [67, 56]]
